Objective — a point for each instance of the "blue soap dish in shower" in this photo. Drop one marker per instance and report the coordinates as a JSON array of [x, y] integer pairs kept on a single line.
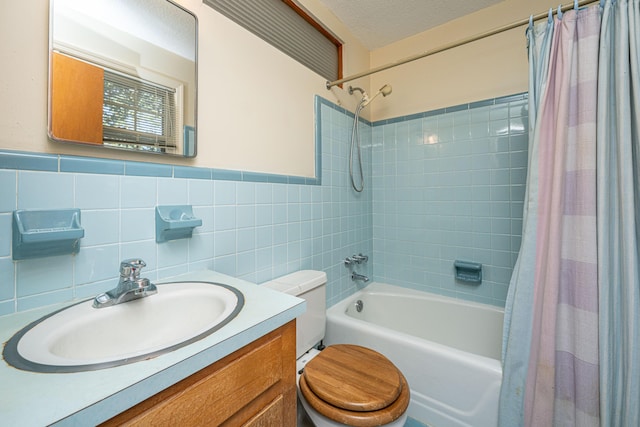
[[468, 271]]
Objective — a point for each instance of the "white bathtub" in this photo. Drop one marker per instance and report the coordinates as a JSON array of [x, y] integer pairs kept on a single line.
[[449, 350]]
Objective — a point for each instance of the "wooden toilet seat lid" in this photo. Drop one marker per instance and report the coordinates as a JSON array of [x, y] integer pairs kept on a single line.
[[359, 418], [353, 378]]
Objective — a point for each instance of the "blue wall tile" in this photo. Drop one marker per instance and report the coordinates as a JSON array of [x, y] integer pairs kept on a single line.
[[246, 263], [264, 237], [101, 227], [437, 187], [264, 215], [224, 218], [246, 193], [7, 280], [224, 243], [200, 192], [246, 216], [7, 190], [28, 161], [452, 198], [246, 239], [36, 276], [201, 247], [91, 165], [147, 169], [224, 193], [191, 172], [173, 253], [97, 191], [172, 191], [7, 307], [138, 192], [97, 263], [225, 265], [226, 175], [137, 224], [48, 298], [205, 213], [45, 190], [255, 176], [6, 220]]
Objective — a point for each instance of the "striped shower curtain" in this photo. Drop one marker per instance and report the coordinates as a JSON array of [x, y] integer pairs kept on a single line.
[[571, 353]]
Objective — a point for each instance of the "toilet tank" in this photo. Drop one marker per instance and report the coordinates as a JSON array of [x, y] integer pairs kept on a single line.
[[311, 286]]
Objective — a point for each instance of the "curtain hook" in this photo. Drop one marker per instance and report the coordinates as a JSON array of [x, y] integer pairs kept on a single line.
[[575, 4], [529, 31], [559, 11], [550, 17]]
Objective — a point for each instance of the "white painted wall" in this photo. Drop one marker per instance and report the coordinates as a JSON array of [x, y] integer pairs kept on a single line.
[[256, 105], [489, 68]]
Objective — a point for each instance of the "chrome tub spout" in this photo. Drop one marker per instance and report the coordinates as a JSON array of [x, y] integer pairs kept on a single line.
[[355, 276]]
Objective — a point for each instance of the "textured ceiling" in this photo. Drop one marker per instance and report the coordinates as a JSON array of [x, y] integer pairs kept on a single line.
[[377, 23]]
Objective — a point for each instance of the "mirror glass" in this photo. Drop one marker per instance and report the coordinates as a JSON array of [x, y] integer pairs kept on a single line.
[[123, 75]]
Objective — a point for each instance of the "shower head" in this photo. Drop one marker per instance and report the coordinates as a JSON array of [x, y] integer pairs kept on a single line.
[[384, 91]]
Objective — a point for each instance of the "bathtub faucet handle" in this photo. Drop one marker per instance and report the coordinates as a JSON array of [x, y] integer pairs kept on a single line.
[[349, 261], [360, 258]]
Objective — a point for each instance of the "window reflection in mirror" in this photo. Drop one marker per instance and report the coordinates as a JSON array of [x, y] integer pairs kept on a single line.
[[123, 75]]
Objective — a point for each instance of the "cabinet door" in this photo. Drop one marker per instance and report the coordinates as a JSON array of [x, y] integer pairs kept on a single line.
[[77, 90], [253, 385], [271, 415]]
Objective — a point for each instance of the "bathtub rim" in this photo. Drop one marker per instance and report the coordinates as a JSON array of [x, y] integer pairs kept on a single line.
[[389, 289], [337, 313]]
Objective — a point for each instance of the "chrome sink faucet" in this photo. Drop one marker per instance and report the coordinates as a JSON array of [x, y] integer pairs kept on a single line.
[[130, 286]]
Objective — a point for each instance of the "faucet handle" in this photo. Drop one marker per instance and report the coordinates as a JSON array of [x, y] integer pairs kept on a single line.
[[360, 258], [130, 268]]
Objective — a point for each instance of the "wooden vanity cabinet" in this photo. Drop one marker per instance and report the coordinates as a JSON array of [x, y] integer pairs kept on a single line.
[[254, 386]]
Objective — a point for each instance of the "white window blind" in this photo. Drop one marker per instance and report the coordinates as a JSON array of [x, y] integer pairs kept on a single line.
[[281, 26], [138, 114]]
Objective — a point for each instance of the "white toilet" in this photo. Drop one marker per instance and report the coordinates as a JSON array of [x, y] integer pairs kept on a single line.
[[342, 384]]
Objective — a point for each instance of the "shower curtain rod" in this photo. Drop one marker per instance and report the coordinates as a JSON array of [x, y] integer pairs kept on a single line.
[[457, 43]]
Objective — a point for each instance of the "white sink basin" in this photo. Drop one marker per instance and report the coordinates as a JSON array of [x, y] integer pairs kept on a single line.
[[81, 338]]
